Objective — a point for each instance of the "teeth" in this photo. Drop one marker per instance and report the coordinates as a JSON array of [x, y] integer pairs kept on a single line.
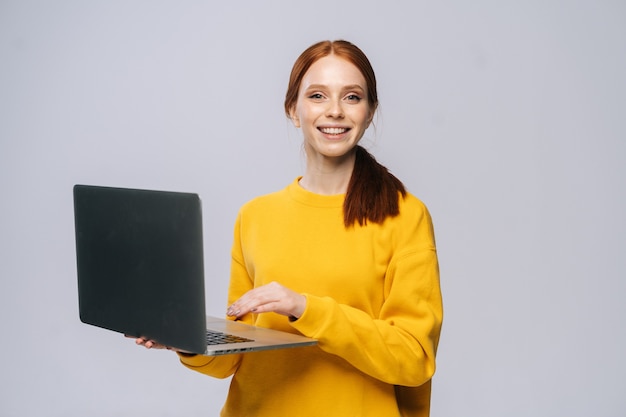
[[333, 130]]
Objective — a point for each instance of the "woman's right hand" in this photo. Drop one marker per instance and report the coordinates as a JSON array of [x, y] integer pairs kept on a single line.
[[150, 344]]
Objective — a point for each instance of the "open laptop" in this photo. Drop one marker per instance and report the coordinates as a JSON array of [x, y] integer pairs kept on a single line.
[[141, 272]]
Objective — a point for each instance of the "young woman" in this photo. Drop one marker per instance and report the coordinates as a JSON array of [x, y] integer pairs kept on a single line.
[[343, 254]]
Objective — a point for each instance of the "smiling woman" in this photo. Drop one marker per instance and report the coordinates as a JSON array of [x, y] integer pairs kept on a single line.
[[333, 83], [333, 112], [345, 255]]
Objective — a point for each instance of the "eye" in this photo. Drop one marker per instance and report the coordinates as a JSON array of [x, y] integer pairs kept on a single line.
[[354, 98], [316, 96]]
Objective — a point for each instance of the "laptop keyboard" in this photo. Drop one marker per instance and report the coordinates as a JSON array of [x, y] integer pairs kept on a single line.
[[217, 338]]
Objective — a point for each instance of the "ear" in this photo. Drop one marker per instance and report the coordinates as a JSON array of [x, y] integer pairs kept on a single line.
[[294, 117], [371, 117]]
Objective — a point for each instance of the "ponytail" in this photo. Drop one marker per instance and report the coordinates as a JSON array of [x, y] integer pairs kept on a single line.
[[373, 192]]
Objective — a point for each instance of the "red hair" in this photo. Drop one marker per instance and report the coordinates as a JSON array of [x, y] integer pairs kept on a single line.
[[373, 192]]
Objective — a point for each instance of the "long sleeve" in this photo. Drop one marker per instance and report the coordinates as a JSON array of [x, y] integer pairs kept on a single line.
[[215, 366], [398, 345]]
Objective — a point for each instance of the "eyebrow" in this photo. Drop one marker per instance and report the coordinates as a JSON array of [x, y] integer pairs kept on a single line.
[[344, 88]]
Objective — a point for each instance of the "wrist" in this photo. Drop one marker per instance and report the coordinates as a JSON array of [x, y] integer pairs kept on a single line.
[[299, 308]]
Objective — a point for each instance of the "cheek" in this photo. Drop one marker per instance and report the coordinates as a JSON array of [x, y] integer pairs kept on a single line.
[[303, 115], [363, 118]]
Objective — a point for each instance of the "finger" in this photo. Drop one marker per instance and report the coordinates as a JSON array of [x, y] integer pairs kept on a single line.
[[256, 304], [151, 344], [266, 307], [264, 299]]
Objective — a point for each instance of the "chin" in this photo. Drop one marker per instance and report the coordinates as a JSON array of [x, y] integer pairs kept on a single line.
[[337, 149]]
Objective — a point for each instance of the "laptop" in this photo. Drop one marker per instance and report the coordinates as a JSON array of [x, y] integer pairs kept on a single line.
[[140, 267]]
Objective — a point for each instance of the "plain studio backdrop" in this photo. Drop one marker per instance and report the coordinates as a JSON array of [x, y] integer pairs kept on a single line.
[[508, 119]]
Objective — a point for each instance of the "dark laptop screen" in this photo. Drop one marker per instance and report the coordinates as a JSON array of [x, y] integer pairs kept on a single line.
[[139, 253]]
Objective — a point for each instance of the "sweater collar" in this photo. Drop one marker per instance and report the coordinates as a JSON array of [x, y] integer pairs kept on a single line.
[[311, 199]]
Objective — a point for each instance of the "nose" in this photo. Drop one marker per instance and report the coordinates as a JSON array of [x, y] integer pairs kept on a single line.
[[335, 109]]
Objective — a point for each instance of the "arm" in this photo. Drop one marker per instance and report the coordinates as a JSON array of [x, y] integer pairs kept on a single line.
[[397, 347]]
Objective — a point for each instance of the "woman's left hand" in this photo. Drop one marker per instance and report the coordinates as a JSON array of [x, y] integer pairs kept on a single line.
[[272, 297]]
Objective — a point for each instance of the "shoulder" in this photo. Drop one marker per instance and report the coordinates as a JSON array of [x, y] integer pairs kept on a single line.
[[413, 225], [412, 207], [265, 202]]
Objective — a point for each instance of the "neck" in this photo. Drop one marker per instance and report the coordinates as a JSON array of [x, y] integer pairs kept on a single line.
[[328, 176]]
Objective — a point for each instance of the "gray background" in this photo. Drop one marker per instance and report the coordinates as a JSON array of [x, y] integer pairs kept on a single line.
[[506, 118]]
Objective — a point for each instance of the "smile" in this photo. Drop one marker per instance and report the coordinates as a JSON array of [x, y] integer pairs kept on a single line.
[[333, 130]]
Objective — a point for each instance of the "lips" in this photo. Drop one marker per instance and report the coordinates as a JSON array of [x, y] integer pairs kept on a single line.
[[333, 130]]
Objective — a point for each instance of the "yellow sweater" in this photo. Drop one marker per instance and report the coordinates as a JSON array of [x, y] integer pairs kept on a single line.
[[373, 303]]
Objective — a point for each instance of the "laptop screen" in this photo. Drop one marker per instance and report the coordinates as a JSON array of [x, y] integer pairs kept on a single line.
[[140, 263]]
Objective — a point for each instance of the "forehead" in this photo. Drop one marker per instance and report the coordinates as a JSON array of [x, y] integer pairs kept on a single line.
[[333, 71]]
